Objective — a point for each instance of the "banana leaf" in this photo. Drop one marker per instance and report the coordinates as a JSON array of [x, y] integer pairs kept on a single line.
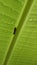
[[18, 32]]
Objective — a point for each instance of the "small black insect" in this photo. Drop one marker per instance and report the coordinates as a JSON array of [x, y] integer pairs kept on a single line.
[[14, 30]]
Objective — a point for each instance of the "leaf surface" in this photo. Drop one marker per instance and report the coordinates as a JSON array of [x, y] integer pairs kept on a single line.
[[25, 49], [21, 48], [10, 11]]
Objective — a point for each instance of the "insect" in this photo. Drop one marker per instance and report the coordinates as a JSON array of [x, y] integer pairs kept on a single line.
[[14, 30]]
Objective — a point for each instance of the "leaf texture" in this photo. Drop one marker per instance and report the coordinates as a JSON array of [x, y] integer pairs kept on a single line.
[[25, 49], [10, 10], [21, 48]]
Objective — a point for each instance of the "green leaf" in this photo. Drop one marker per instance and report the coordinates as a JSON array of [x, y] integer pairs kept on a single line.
[[10, 11], [19, 48], [25, 49]]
